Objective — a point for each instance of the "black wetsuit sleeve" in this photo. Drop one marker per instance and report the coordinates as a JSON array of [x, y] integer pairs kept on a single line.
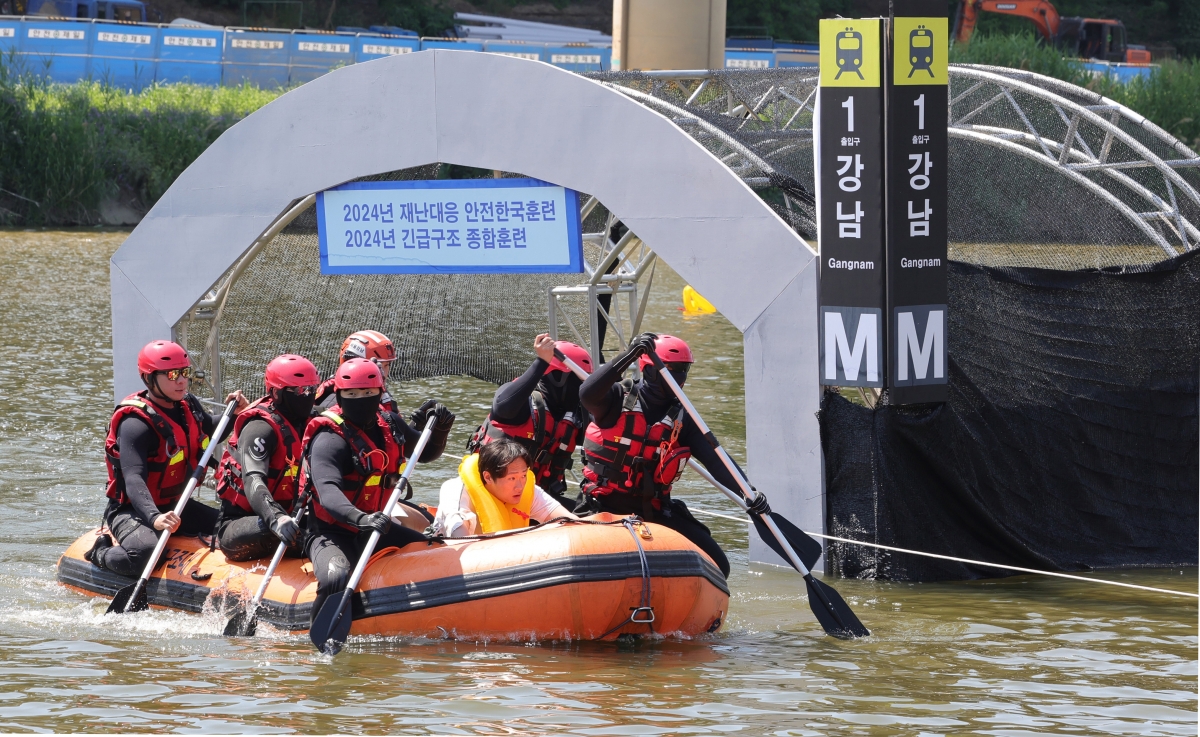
[[601, 395], [137, 442], [210, 424], [703, 452], [328, 461], [256, 444], [510, 406], [435, 447]]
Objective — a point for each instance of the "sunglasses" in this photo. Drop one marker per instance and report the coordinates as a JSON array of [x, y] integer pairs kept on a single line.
[[179, 373], [302, 391]]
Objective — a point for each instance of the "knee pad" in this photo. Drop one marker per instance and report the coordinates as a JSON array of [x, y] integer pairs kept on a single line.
[[338, 572]]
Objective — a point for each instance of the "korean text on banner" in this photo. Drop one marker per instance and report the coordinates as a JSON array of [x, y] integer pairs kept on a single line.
[[487, 226]]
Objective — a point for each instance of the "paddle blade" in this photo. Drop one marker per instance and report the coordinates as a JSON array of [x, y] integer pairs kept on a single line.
[[332, 625], [807, 548], [833, 612], [242, 624], [131, 598]]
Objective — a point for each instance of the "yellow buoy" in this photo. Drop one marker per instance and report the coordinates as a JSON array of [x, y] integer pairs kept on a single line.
[[694, 304]]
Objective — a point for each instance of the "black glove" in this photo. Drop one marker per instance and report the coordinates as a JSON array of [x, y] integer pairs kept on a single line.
[[443, 419], [377, 521], [286, 529], [642, 344]]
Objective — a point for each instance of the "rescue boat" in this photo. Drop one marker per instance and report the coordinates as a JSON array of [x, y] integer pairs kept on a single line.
[[593, 579]]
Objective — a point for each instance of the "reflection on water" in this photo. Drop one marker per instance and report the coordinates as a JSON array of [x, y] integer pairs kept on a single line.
[[1015, 656]]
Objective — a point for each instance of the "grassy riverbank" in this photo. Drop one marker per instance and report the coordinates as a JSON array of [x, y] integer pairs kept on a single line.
[[1170, 96], [66, 151]]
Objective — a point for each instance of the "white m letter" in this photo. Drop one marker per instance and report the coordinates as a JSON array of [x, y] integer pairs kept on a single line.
[[920, 350], [838, 345]]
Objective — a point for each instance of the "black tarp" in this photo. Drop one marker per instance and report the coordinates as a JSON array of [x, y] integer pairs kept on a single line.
[[1070, 439]]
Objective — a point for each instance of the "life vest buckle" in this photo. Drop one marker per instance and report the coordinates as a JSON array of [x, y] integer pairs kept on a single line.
[[642, 615]]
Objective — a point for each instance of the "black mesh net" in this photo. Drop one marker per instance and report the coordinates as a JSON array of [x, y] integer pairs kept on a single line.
[[1069, 441]]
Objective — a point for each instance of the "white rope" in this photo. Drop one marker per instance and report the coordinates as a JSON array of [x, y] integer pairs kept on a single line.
[[972, 562]]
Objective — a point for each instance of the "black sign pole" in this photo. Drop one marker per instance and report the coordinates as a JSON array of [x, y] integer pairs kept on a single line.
[[850, 212], [916, 84]]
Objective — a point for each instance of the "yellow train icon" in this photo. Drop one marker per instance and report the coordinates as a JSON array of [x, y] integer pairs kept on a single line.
[[920, 50]]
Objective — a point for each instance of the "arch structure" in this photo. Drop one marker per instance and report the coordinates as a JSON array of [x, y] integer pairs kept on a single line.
[[495, 112]]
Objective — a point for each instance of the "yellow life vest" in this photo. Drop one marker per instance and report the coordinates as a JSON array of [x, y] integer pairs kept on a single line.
[[494, 515]]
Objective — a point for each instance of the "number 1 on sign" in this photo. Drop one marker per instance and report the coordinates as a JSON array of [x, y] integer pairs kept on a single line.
[[849, 105], [919, 104]]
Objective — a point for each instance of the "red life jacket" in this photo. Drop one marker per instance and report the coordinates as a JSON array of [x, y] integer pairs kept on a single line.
[[282, 468], [550, 441], [327, 389], [179, 448], [376, 470], [632, 456]]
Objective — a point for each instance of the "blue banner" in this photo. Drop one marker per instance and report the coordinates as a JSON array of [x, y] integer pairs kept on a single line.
[[450, 226]]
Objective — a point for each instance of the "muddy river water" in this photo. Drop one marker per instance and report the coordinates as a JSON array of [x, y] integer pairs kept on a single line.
[[1023, 655]]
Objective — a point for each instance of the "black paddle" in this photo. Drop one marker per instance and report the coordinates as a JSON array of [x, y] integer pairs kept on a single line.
[[332, 625], [830, 609], [132, 598], [245, 622]]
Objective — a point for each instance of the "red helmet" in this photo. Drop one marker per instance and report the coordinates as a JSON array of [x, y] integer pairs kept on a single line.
[[573, 352], [368, 344], [358, 373], [162, 355], [291, 370], [670, 349]]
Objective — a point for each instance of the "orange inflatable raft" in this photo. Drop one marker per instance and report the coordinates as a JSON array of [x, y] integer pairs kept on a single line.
[[590, 580]]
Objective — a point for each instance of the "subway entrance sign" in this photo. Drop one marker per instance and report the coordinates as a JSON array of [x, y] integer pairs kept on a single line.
[[454, 226], [849, 135], [916, 83]]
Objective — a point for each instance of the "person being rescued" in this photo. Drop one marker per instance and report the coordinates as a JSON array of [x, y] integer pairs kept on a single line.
[[155, 439], [352, 458], [373, 346], [541, 411], [494, 491], [640, 439], [256, 478]]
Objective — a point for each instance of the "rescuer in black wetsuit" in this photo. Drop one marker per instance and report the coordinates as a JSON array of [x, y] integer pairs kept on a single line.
[[155, 439], [540, 410], [640, 439], [353, 453]]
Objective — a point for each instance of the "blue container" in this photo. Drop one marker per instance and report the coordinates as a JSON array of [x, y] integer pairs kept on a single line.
[[190, 55], [580, 58], [394, 31], [377, 47], [11, 32], [531, 51], [749, 59], [799, 57], [315, 54], [259, 58], [450, 43], [59, 49], [124, 55]]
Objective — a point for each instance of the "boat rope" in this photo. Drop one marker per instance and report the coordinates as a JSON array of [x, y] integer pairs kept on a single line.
[[644, 613], [1055, 574]]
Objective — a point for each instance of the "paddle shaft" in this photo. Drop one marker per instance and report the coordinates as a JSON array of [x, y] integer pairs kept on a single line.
[[252, 607], [363, 559], [193, 482]]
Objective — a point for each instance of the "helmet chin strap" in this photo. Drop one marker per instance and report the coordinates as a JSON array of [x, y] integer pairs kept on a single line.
[[152, 386]]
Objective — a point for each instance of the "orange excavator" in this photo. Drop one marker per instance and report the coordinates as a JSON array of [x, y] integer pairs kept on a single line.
[[1084, 38]]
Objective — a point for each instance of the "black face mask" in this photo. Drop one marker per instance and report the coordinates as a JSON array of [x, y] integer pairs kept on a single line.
[[360, 412], [294, 407], [561, 389], [655, 391]]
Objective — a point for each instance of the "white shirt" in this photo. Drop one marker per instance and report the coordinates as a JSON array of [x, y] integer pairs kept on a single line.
[[456, 515]]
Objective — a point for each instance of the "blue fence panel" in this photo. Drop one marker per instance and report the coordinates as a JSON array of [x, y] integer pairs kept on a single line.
[[1120, 72], [257, 57], [190, 55], [123, 55], [11, 31], [749, 59], [531, 51], [59, 49], [451, 43], [580, 58], [377, 47], [316, 54]]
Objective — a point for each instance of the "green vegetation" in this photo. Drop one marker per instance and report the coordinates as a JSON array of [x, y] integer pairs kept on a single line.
[[1170, 96], [66, 149]]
